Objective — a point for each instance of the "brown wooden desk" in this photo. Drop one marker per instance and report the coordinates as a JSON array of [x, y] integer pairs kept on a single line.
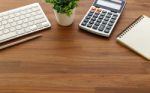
[[69, 60]]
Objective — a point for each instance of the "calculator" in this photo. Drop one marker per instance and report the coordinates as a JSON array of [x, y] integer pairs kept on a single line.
[[102, 16]]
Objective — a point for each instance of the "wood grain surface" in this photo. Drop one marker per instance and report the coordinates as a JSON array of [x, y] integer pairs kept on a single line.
[[70, 60]]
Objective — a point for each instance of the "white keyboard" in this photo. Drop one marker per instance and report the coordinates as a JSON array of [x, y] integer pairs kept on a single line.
[[22, 21]]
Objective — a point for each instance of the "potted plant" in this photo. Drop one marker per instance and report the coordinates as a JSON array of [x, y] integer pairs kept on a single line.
[[64, 10]]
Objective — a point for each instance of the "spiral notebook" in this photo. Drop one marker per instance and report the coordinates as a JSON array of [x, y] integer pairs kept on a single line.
[[137, 36]]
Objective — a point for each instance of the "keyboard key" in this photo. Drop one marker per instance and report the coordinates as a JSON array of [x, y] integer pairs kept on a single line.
[[20, 31], [34, 27], [45, 24], [12, 29], [8, 35], [4, 22], [6, 31], [1, 33]]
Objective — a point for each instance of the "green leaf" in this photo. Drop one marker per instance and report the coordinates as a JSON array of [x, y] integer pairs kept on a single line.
[[63, 6]]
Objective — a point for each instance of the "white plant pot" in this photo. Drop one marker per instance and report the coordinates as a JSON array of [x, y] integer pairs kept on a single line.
[[64, 19]]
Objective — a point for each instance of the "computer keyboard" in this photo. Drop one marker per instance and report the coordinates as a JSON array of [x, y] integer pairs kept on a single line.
[[22, 21]]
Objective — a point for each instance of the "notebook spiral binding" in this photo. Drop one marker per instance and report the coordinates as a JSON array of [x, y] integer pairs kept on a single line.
[[131, 26]]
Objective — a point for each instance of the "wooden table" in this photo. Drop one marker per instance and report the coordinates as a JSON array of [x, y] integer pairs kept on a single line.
[[69, 60]]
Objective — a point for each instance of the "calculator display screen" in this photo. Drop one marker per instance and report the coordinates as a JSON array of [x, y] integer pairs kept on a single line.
[[109, 4]]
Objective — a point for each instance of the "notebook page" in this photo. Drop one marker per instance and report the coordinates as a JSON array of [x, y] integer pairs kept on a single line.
[[138, 37]]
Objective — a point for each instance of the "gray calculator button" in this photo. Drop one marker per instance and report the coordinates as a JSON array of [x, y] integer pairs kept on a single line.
[[99, 20], [107, 31], [104, 12], [104, 22], [109, 13], [112, 20], [95, 16], [106, 19], [90, 14], [101, 28], [108, 16], [93, 19], [114, 17], [96, 13], [108, 27], [88, 17], [101, 17], [97, 23], [91, 22], [110, 24], [86, 20], [83, 23], [95, 27], [89, 25]]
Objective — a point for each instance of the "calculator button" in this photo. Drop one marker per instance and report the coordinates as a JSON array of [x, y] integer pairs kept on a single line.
[[99, 20], [93, 19], [104, 22], [114, 17], [109, 13], [101, 17], [88, 17], [101, 28], [91, 22], [104, 12], [112, 20], [107, 31], [90, 14], [95, 27], [84, 23], [108, 27], [106, 19], [96, 13], [108, 16], [97, 23], [110, 24], [95, 16], [86, 20], [89, 25]]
